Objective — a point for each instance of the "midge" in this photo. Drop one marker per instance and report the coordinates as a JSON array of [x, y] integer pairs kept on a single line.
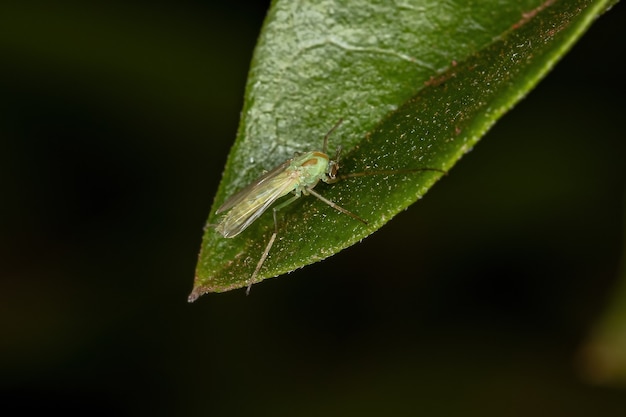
[[298, 175]]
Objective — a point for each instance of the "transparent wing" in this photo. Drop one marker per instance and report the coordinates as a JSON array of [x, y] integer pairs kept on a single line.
[[252, 188], [253, 203]]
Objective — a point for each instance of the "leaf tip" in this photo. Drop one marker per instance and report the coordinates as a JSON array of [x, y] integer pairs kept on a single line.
[[197, 291], [193, 296]]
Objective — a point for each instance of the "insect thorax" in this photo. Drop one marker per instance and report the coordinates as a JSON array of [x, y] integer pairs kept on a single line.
[[310, 167]]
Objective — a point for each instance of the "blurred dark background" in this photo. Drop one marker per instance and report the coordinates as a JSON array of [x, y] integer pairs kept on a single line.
[[115, 123]]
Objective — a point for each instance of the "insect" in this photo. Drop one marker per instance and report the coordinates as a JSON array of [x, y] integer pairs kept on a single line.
[[298, 175]]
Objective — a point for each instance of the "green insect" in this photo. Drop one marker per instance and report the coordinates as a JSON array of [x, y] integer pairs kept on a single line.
[[298, 175]]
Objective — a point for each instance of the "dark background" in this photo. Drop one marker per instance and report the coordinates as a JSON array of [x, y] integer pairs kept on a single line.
[[115, 122]]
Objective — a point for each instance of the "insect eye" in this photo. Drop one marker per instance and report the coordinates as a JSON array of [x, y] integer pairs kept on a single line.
[[333, 167]]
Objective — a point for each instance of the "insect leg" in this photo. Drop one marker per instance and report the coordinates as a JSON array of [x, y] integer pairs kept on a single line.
[[334, 205], [387, 172], [264, 256], [271, 241]]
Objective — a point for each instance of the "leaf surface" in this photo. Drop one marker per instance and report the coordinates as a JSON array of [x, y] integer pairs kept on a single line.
[[417, 84]]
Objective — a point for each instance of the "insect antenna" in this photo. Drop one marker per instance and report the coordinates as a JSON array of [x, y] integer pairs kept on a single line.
[[329, 133]]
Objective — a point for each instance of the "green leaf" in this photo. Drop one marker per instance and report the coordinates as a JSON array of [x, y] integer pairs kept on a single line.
[[417, 84]]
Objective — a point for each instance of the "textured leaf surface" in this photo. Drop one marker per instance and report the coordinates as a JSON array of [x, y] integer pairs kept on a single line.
[[417, 84]]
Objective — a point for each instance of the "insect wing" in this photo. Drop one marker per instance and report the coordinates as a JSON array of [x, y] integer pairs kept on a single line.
[[252, 188], [255, 201]]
